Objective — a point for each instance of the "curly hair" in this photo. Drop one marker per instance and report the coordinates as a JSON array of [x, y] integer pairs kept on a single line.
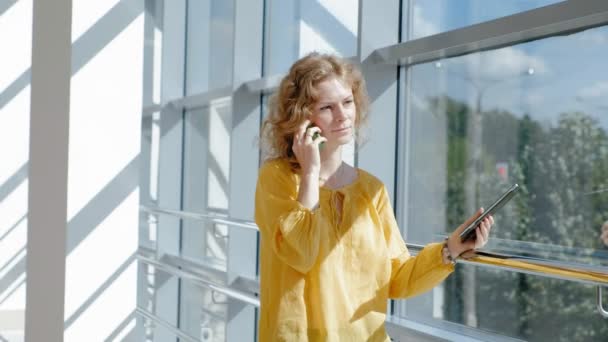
[[293, 101]]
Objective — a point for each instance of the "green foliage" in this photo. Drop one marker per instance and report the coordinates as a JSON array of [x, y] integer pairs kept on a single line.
[[560, 167]]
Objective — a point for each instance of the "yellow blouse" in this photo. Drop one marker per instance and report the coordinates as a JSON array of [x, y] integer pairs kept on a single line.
[[327, 277]]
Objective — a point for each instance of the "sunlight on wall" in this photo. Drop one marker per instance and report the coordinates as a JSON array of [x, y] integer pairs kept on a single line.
[[105, 109], [16, 33], [85, 13], [101, 276], [154, 153], [219, 147], [329, 26], [13, 233], [158, 62], [14, 137], [346, 12], [103, 196], [310, 41]]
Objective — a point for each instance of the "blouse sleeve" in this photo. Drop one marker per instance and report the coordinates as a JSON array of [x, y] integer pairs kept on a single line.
[[288, 226], [410, 275]]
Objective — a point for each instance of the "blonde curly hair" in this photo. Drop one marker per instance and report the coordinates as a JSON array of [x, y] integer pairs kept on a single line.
[[293, 101]]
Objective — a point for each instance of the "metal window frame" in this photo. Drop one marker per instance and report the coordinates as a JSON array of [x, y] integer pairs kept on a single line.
[[553, 20], [558, 19], [562, 18]]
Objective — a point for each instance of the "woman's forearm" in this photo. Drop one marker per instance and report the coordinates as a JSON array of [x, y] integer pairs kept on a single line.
[[308, 193]]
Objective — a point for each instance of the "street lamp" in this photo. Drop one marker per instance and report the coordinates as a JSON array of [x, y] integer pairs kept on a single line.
[[474, 133]]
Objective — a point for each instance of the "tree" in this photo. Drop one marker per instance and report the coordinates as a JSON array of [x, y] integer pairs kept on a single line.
[[560, 169]]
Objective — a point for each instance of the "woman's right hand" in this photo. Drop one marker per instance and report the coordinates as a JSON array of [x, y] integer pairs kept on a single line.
[[306, 148]]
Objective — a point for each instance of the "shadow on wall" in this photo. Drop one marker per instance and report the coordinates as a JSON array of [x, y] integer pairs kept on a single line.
[[101, 206]]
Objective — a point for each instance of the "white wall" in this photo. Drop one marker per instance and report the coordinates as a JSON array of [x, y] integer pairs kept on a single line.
[[15, 37], [103, 192]]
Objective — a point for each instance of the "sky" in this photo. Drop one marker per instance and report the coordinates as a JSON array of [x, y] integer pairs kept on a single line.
[[542, 78]]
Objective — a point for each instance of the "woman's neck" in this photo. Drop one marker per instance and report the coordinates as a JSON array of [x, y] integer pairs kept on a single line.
[[331, 159]]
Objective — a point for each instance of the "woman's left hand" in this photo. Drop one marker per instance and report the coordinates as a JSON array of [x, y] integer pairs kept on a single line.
[[604, 234], [482, 234]]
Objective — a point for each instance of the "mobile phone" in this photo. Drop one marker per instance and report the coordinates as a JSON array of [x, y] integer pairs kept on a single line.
[[316, 135], [469, 231]]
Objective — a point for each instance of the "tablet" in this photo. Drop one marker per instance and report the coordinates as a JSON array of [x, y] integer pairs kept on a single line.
[[469, 232]]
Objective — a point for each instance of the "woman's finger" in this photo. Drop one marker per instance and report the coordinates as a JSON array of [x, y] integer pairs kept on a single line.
[[490, 223], [469, 221], [319, 140], [486, 231], [302, 129], [479, 241], [483, 234], [312, 130]]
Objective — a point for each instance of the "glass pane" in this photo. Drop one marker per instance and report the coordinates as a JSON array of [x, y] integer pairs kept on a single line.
[[296, 28], [151, 122], [209, 47], [528, 114], [523, 306], [204, 312], [432, 17], [206, 181]]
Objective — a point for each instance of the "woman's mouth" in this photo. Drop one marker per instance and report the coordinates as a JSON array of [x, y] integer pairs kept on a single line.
[[341, 130]]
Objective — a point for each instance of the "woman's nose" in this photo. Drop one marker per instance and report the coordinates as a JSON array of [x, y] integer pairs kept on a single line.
[[340, 113]]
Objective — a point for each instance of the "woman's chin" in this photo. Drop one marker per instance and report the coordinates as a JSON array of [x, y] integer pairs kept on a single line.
[[339, 141]]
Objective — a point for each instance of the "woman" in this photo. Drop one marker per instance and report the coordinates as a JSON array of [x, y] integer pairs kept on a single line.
[[331, 251]]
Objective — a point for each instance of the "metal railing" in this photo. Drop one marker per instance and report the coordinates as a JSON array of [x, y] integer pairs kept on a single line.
[[246, 290], [597, 276], [198, 279], [157, 320], [211, 217]]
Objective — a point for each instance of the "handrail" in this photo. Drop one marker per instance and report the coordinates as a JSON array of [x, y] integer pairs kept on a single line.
[[173, 329], [535, 266], [245, 287], [219, 288], [264, 85], [600, 305], [191, 101], [530, 265], [217, 218], [201, 99]]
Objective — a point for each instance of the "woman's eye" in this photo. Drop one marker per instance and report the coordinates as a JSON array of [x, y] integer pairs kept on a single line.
[[348, 101], [325, 107]]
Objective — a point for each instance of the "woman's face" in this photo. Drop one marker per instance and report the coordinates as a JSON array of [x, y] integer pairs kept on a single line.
[[335, 112]]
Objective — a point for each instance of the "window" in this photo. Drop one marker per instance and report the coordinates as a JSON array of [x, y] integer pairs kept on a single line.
[[432, 17], [209, 45], [528, 114], [295, 28]]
